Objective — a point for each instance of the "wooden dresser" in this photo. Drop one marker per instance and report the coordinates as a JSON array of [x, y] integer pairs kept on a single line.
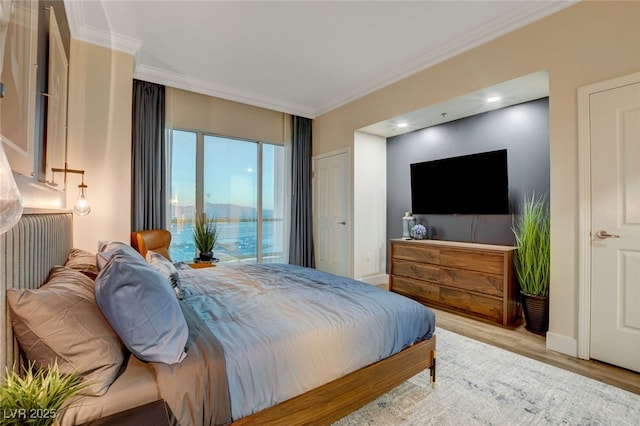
[[468, 278]]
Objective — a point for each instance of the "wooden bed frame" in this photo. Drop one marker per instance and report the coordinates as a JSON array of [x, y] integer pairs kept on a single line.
[[336, 399], [43, 239]]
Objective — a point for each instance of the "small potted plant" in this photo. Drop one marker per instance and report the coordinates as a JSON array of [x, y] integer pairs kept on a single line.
[[205, 234], [37, 396], [532, 261]]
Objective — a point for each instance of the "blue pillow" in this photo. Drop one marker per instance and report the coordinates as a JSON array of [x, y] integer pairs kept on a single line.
[[142, 308], [106, 249]]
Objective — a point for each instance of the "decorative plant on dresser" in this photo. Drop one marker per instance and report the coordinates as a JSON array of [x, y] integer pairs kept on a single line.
[[532, 261]]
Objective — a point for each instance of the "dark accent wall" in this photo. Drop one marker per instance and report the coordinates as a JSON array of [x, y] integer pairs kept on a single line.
[[522, 129]]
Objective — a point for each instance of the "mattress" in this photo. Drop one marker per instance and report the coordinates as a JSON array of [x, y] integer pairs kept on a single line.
[[287, 329], [134, 387]]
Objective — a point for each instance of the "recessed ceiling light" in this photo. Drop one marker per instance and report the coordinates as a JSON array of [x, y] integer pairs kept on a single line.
[[402, 124], [493, 99]]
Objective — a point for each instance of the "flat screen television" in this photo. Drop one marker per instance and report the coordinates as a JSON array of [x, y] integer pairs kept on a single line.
[[470, 184]]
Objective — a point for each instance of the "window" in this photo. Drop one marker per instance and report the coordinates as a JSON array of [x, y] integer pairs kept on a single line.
[[241, 184]]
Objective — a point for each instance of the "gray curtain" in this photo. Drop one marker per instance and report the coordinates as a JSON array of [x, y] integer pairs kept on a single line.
[[301, 239], [148, 157]]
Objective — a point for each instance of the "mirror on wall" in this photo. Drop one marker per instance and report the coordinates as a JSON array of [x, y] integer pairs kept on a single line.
[[18, 68], [56, 100]]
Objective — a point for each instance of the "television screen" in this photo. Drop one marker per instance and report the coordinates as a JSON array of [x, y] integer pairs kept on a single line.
[[470, 184]]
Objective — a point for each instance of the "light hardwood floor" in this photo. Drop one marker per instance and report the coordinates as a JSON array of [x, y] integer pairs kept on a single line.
[[531, 345]]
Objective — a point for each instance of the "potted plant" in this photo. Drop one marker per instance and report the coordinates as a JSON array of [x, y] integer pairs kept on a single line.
[[532, 261], [205, 234], [37, 397]]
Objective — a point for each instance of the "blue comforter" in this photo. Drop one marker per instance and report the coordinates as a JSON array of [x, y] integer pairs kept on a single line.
[[287, 329]]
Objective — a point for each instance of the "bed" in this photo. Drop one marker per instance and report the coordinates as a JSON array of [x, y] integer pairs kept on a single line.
[[303, 372]]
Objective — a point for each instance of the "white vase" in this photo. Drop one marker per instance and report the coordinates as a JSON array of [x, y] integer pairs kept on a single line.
[[407, 225]]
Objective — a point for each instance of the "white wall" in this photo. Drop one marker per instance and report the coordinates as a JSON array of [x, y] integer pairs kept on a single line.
[[369, 208], [38, 195], [99, 142]]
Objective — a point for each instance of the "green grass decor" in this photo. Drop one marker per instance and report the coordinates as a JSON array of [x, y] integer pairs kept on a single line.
[[533, 257], [36, 397], [205, 233]]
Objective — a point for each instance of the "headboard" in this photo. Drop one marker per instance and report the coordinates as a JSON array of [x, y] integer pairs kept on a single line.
[[37, 242]]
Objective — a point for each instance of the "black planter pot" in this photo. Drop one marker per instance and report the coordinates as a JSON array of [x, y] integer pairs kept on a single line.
[[536, 312], [206, 256]]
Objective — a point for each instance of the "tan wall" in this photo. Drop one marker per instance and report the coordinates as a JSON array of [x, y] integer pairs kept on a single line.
[[193, 111], [585, 43], [99, 141]]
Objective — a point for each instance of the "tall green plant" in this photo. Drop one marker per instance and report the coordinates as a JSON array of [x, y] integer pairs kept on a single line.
[[205, 233], [35, 398], [533, 257]]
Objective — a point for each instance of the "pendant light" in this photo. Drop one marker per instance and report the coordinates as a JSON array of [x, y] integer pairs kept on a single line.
[[81, 207]]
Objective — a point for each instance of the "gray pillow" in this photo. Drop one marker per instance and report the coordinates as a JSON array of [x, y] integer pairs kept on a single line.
[[83, 261], [106, 249], [166, 268], [61, 321], [142, 309]]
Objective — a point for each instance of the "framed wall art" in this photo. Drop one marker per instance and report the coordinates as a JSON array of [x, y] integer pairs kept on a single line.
[[18, 66], [56, 139]]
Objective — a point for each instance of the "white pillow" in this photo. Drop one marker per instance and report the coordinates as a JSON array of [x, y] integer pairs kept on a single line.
[[167, 269]]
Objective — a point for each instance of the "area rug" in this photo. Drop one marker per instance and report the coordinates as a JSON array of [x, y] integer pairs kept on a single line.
[[480, 384]]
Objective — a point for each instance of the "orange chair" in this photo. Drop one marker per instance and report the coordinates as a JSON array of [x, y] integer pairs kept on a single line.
[[157, 240]]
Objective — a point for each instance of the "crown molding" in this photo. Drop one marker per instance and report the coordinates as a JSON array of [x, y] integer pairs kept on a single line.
[[205, 87], [528, 13], [113, 41], [93, 35]]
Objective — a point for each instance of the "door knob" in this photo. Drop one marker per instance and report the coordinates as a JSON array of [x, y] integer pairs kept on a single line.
[[342, 223], [604, 235]]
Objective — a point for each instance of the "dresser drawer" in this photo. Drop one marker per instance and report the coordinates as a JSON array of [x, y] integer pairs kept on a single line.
[[415, 252], [475, 303], [419, 290], [421, 271], [491, 263], [470, 280]]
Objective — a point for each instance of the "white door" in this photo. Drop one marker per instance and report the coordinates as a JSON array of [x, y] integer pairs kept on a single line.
[[615, 231], [331, 189]]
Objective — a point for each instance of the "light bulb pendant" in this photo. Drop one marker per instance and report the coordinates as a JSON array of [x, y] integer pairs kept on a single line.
[[82, 207]]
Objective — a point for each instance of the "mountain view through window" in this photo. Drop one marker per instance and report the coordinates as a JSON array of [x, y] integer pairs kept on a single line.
[[239, 184]]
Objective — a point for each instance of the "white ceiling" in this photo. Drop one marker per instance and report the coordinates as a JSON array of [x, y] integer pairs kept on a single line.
[[512, 92], [299, 57]]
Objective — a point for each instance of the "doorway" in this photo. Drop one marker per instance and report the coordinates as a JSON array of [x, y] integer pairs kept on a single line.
[[609, 289], [332, 207]]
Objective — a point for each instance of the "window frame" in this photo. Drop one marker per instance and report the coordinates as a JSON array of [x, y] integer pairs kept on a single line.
[[199, 181]]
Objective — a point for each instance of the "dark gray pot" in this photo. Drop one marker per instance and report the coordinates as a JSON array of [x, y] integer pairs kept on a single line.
[[536, 312], [206, 256]]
